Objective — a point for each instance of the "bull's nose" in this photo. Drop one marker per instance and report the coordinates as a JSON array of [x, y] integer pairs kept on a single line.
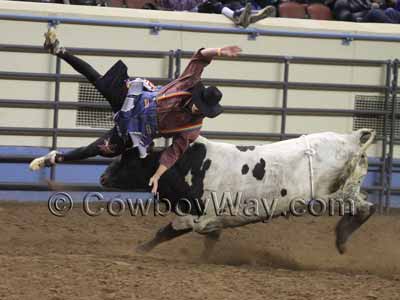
[[104, 180]]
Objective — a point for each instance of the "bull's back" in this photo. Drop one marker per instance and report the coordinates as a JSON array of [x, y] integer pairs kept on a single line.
[[280, 168]]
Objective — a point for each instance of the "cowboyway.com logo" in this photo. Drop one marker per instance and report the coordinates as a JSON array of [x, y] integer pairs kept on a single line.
[[218, 204]]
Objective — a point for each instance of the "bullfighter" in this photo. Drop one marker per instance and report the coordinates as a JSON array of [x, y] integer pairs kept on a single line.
[[143, 111]]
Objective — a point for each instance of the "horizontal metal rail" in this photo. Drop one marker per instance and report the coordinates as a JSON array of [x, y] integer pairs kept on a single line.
[[157, 26], [298, 60], [4, 158], [29, 158], [294, 85], [74, 132], [300, 111], [63, 78], [69, 132], [106, 161], [87, 51], [27, 186], [187, 54], [222, 82], [256, 110], [372, 189]]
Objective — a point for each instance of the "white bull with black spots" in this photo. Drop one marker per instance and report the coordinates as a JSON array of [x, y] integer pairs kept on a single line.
[[230, 186]]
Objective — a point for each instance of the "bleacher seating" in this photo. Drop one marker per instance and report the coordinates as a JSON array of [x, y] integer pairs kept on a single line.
[[292, 10], [319, 12], [138, 4], [135, 3], [286, 8], [116, 3]]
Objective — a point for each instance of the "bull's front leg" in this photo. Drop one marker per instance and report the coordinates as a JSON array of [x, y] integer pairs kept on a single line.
[[349, 223], [164, 234]]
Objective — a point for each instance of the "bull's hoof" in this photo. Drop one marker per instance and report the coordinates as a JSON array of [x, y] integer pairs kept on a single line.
[[341, 247]]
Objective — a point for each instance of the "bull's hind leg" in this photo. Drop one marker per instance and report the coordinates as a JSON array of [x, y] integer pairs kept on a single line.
[[210, 241], [163, 235]]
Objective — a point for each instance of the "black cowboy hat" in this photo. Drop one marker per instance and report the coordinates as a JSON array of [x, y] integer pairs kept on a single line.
[[207, 100]]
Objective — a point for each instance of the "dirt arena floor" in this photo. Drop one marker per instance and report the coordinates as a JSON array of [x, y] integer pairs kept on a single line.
[[82, 257]]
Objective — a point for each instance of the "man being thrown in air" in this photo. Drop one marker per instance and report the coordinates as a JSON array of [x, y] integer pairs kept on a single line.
[[143, 111]]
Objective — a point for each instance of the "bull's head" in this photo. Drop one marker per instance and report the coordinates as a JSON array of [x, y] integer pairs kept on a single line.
[[129, 171]]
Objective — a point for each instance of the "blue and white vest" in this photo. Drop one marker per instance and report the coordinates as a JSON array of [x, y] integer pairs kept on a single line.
[[137, 118]]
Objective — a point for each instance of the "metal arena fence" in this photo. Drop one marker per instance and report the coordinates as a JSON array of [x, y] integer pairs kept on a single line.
[[389, 113]]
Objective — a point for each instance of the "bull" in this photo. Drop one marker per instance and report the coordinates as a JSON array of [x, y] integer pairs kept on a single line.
[[325, 166]]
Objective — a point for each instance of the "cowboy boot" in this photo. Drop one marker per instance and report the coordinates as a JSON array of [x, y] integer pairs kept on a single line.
[[45, 161], [51, 42]]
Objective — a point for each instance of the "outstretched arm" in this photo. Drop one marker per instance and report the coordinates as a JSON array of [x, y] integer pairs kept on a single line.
[[170, 155], [202, 58], [154, 179], [228, 51]]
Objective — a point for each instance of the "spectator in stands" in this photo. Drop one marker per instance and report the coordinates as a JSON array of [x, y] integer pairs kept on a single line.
[[87, 2], [83, 2], [175, 5], [393, 10], [361, 11], [48, 1], [240, 12]]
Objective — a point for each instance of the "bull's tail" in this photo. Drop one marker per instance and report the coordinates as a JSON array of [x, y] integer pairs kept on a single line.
[[366, 137]]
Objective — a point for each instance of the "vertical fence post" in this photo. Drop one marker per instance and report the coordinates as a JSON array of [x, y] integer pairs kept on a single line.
[[383, 179], [178, 57], [392, 133], [55, 114], [171, 55], [284, 97], [171, 64], [171, 75]]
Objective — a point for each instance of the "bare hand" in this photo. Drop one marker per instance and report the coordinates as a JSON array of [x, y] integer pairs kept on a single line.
[[231, 51], [154, 182]]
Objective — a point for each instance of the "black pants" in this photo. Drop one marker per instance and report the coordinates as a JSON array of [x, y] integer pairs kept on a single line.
[[110, 144], [111, 85]]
